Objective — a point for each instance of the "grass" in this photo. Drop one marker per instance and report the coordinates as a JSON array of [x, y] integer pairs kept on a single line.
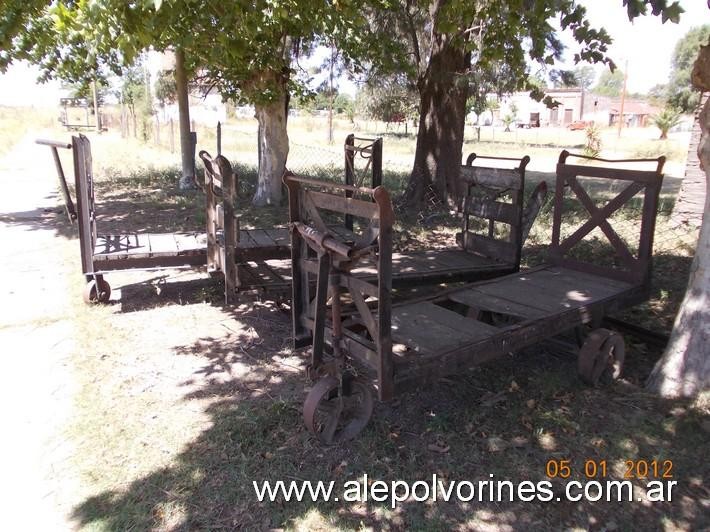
[[182, 403]]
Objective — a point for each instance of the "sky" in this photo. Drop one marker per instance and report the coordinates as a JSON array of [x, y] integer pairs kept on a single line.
[[646, 44]]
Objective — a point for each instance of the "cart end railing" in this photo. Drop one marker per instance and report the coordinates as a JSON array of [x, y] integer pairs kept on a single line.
[[222, 222], [618, 202], [494, 196], [324, 260]]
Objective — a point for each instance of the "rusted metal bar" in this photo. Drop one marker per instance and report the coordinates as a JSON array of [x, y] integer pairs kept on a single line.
[[323, 240]]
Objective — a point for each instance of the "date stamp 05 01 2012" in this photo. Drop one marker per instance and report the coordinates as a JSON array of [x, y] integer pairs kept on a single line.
[[633, 469]]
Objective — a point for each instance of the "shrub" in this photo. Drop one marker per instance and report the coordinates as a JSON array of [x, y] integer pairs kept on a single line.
[[593, 140]]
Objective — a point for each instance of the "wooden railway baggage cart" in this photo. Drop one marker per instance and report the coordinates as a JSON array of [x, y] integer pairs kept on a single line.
[[359, 340]]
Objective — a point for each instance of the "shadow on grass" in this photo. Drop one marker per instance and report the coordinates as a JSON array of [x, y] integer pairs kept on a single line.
[[507, 419]]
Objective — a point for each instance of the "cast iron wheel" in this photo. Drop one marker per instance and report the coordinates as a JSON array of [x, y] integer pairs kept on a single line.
[[97, 292], [334, 419], [601, 357]]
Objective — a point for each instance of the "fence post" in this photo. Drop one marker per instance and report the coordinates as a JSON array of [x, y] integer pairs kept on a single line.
[[219, 138], [193, 148], [377, 162], [349, 149]]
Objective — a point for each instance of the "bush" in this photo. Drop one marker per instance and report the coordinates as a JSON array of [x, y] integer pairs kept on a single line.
[[593, 140]]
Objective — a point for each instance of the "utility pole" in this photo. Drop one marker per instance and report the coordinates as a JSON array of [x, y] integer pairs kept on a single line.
[[623, 97], [331, 95]]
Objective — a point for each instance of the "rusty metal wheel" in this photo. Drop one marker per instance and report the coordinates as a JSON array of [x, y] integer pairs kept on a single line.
[[333, 418], [97, 291], [601, 357]]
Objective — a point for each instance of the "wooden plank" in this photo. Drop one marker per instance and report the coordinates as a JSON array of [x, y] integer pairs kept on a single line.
[[121, 246], [247, 276], [549, 297], [190, 243], [162, 245], [461, 260], [624, 174], [496, 210], [495, 249], [480, 300], [426, 327], [279, 235], [263, 275], [262, 238], [496, 178], [363, 209], [585, 276], [573, 279], [246, 240]]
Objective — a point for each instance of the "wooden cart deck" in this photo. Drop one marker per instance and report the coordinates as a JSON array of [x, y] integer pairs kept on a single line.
[[412, 344], [427, 266], [469, 326], [258, 258]]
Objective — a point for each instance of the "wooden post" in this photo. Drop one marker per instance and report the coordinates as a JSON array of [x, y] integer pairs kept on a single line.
[[349, 174], [96, 105], [229, 184], [219, 138], [377, 163], [385, 370]]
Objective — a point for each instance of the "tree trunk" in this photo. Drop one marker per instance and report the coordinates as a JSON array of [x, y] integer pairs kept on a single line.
[[684, 368], [442, 97], [273, 150], [188, 164]]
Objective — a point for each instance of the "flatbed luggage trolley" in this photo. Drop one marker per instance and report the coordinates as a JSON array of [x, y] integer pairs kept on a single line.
[[359, 339], [102, 254]]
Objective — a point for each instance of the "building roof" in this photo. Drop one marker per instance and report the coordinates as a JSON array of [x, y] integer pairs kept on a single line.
[[633, 107]]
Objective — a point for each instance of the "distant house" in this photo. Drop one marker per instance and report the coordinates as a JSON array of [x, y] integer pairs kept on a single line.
[[636, 113], [574, 104], [533, 113], [605, 111]]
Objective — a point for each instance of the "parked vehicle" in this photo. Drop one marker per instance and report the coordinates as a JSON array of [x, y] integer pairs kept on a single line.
[[579, 124]]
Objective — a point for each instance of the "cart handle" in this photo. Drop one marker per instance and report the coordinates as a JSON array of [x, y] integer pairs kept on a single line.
[[660, 161], [54, 143], [323, 240], [288, 176]]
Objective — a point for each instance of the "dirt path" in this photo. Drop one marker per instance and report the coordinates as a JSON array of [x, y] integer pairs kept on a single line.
[[36, 338]]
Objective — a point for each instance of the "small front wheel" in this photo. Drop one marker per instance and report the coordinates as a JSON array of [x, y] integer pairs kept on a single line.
[[97, 291], [335, 417], [601, 357]]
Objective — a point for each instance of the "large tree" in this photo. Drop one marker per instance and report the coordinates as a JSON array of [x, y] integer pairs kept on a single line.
[[684, 368], [610, 83], [680, 93], [244, 50], [452, 44]]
